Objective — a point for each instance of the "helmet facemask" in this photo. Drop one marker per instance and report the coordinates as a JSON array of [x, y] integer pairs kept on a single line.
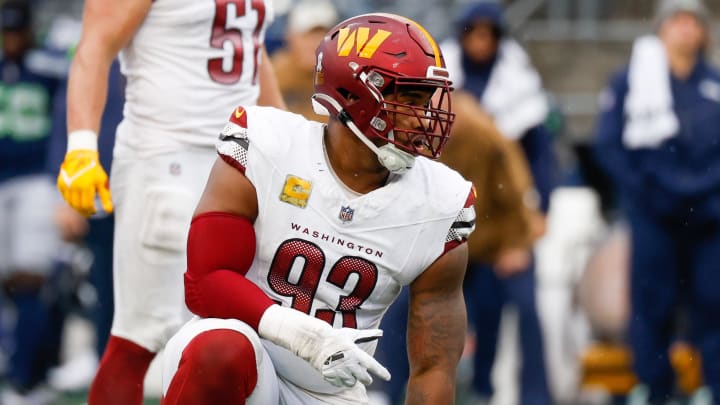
[[425, 104], [411, 113]]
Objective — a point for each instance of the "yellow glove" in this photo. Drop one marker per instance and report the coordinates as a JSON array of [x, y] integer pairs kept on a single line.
[[81, 175]]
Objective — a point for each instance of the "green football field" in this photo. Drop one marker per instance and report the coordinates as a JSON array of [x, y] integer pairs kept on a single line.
[[80, 398]]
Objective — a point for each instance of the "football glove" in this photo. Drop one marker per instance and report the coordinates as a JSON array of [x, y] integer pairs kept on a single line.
[[82, 176], [333, 352], [345, 363]]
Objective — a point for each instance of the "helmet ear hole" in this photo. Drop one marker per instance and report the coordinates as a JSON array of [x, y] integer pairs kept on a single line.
[[347, 95]]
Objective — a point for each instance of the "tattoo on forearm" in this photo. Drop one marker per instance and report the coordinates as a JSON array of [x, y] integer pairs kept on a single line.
[[437, 327]]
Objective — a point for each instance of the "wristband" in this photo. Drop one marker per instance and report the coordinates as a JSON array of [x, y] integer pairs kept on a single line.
[[84, 139], [293, 330]]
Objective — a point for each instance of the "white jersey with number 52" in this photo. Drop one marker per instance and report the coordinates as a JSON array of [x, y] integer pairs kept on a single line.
[[189, 63]]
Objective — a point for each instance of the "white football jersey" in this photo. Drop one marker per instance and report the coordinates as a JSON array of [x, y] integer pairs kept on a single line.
[[324, 250], [189, 63]]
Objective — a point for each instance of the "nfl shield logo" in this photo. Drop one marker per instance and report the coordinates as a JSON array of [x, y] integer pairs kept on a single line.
[[346, 214]]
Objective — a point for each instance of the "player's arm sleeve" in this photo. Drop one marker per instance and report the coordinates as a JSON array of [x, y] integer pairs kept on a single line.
[[221, 242], [220, 251]]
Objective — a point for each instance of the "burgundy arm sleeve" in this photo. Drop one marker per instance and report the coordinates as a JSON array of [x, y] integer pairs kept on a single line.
[[220, 251]]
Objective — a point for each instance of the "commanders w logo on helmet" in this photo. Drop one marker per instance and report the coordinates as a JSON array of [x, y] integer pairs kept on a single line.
[[358, 39]]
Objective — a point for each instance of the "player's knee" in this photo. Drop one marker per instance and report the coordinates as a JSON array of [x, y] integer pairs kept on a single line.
[[221, 357]]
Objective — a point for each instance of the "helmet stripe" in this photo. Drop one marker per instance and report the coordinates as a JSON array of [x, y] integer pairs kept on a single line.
[[433, 44], [436, 49]]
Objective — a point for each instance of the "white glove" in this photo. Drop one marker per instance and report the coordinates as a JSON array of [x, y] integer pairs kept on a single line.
[[349, 363], [333, 352]]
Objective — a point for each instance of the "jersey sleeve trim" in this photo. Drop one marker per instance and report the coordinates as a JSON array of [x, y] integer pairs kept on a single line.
[[463, 225], [234, 144]]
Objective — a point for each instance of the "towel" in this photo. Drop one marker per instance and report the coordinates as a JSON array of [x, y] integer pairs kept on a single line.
[[650, 119], [514, 96]]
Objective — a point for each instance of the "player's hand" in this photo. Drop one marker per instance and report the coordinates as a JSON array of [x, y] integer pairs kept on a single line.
[[81, 178], [333, 352], [345, 363]]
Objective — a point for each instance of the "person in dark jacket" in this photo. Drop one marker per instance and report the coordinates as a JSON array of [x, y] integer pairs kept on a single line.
[[657, 138]]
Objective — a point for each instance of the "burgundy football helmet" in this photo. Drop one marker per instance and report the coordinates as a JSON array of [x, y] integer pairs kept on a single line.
[[362, 61]]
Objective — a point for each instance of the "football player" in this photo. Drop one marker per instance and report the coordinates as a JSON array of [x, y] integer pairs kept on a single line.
[[306, 233], [187, 63]]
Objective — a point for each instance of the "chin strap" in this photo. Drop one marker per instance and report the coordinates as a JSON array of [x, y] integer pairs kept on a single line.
[[394, 159]]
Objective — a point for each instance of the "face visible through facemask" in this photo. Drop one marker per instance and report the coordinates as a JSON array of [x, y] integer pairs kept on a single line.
[[405, 108]]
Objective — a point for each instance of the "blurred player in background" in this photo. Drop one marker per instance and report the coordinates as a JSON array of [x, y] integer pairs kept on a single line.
[[657, 137], [28, 238], [187, 62], [307, 232]]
